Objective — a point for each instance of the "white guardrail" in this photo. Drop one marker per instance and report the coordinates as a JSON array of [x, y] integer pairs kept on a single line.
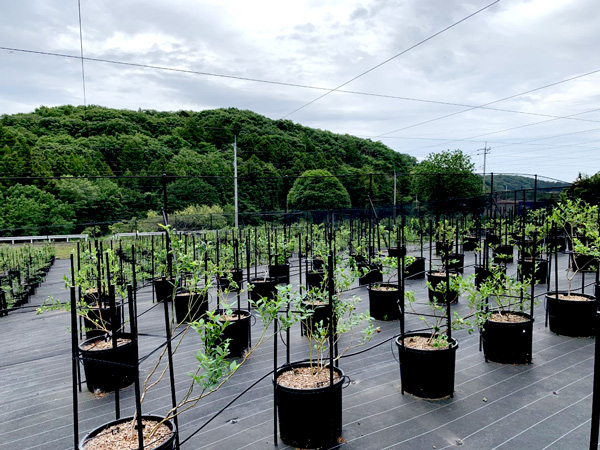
[[49, 237]]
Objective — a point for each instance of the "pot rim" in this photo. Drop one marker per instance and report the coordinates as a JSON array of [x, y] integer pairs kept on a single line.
[[551, 295], [289, 366], [452, 343], [374, 286], [528, 316], [106, 350], [99, 429], [241, 312]]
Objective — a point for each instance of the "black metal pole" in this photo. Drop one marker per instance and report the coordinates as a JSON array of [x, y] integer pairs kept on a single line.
[[134, 341], [332, 318], [275, 381], [596, 392], [74, 364], [113, 327], [80, 318], [171, 371]]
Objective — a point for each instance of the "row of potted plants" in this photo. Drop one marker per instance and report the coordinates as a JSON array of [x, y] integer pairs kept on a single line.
[[285, 309]]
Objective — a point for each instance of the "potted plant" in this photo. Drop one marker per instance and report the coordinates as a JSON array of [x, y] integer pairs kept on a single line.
[[573, 313], [194, 271], [470, 242], [502, 312], [503, 253], [445, 233], [444, 285], [279, 266], [532, 247], [264, 286], [384, 297], [414, 267], [428, 358], [320, 250], [214, 369], [303, 388], [100, 307]]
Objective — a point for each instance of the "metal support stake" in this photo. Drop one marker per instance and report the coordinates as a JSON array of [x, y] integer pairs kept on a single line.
[[74, 364]]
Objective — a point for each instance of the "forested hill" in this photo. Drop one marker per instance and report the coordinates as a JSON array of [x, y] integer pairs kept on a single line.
[[97, 141]]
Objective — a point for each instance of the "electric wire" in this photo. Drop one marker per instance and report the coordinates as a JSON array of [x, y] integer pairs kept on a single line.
[[593, 72], [390, 59]]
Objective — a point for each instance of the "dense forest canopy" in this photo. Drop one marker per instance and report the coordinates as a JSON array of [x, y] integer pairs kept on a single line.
[[63, 169], [194, 150]]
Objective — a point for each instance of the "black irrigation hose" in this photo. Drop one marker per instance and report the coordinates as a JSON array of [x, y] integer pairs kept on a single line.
[[271, 372], [369, 348]]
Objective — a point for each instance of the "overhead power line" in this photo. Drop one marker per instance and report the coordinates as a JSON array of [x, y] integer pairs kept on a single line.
[[286, 84], [507, 129], [494, 102], [390, 59]]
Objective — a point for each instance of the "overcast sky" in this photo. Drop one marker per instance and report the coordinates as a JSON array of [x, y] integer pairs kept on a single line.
[[277, 58]]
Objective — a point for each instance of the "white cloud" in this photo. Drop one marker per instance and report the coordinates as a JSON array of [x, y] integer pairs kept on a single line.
[[512, 47]]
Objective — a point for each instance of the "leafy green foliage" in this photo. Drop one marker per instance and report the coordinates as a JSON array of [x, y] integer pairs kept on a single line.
[[318, 189], [499, 294], [26, 209], [444, 175], [97, 141]]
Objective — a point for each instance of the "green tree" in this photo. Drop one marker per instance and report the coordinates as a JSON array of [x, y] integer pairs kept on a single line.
[[27, 210], [318, 189], [98, 200], [587, 188], [259, 185], [446, 175]]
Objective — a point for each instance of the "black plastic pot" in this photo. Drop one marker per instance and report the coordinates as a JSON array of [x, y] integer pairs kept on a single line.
[[492, 239], [440, 297], [315, 278], [416, 270], [508, 342], [445, 247], [456, 262], [526, 267], [109, 369], [169, 444], [238, 333], [164, 287], [504, 253], [427, 373], [470, 243], [318, 263], [309, 418], [280, 272], [383, 303], [99, 314], [321, 315], [373, 274], [395, 252], [573, 318], [190, 307], [358, 258], [263, 287]]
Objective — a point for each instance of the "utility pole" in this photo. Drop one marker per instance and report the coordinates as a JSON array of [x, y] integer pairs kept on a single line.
[[395, 189], [485, 150], [235, 182]]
